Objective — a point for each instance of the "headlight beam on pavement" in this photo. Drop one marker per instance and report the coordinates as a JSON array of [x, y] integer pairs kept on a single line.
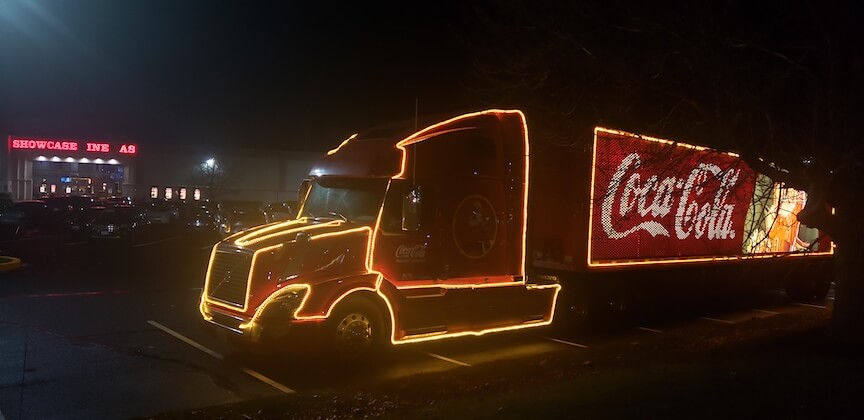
[[218, 356]]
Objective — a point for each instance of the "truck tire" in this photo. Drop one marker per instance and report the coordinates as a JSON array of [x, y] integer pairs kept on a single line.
[[576, 311], [809, 288], [357, 330]]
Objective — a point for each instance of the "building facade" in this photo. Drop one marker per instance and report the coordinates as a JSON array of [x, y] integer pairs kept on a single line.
[[42, 167], [31, 168]]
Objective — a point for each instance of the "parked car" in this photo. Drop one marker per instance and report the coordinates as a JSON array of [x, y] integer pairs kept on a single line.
[[5, 202], [63, 212], [241, 217], [201, 219], [25, 218], [79, 223], [162, 212], [280, 211], [119, 223], [6, 214]]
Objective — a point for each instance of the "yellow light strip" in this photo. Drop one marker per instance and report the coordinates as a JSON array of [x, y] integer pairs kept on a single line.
[[341, 145], [332, 306], [456, 286], [525, 187], [591, 195], [202, 305], [275, 295], [259, 236], [417, 139], [207, 279], [340, 233], [277, 226], [424, 134], [712, 259], [445, 335], [658, 140]]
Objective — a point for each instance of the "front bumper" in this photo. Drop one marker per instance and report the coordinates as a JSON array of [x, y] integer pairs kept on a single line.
[[274, 319], [262, 332]]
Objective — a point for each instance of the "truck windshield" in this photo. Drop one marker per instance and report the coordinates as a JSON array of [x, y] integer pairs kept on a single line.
[[349, 199]]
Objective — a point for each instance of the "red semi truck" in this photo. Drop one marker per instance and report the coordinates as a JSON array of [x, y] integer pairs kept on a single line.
[[468, 227]]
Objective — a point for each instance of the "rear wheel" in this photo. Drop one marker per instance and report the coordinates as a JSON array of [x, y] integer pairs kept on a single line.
[[576, 310], [808, 288], [357, 330]]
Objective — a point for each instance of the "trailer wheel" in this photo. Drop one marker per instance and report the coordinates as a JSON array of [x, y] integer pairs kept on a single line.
[[808, 288], [357, 330]]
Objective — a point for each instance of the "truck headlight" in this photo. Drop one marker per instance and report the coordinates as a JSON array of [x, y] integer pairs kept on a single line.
[[283, 304]]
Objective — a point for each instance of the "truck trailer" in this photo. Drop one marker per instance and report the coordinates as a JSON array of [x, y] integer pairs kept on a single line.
[[470, 226]]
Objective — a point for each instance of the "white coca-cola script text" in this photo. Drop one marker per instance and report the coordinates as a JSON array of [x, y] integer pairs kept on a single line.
[[696, 213]]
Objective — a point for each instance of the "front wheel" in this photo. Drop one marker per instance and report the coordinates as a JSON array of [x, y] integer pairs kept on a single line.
[[356, 330]]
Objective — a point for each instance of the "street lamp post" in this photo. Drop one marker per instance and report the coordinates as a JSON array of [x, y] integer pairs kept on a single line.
[[211, 171]]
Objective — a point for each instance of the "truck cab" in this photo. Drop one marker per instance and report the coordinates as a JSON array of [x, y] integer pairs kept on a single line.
[[399, 238]]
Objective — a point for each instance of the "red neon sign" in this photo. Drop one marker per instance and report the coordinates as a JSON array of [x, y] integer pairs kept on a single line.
[[70, 146], [34, 144], [98, 147]]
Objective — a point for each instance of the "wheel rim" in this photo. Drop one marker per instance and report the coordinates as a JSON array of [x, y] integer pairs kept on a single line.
[[354, 332]]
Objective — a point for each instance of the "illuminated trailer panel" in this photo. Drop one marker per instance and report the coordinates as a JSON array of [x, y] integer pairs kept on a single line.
[[655, 201]]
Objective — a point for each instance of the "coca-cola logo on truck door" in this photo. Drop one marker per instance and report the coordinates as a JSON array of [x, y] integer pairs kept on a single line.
[[654, 199]]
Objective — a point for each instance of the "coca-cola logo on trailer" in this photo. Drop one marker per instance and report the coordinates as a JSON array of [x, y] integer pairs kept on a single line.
[[658, 200], [655, 198]]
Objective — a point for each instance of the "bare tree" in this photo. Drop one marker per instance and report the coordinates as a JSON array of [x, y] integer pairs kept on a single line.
[[776, 82], [213, 174]]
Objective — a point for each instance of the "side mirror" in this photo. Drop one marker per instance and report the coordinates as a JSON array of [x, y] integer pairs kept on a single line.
[[411, 210]]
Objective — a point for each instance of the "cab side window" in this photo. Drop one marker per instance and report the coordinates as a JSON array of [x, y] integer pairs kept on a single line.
[[391, 218]]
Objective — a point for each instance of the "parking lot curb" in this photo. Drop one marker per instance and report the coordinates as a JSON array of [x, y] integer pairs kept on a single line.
[[9, 263]]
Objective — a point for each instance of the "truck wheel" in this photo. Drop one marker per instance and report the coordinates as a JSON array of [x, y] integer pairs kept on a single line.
[[807, 288], [619, 305], [357, 330], [575, 312]]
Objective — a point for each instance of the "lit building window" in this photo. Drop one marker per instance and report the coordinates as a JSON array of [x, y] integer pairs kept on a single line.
[[196, 194], [169, 193], [182, 193], [154, 192]]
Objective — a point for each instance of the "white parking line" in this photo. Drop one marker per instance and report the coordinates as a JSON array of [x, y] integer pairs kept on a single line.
[[268, 381], [766, 312], [447, 359], [810, 305], [569, 343], [156, 242], [723, 321], [650, 330], [188, 341], [218, 356]]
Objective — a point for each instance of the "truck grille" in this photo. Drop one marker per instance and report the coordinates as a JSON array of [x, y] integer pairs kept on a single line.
[[229, 276]]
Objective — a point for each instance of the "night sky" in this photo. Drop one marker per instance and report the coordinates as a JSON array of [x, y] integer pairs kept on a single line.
[[289, 75]]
